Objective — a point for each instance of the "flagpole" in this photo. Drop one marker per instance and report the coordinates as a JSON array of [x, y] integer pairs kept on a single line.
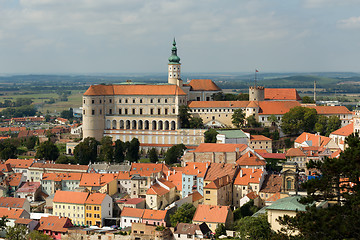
[[255, 78]]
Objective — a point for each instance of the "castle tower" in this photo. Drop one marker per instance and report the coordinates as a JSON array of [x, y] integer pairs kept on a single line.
[[174, 67], [93, 115], [256, 93]]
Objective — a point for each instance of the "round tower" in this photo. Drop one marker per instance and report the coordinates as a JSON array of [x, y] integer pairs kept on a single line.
[[174, 65], [256, 93], [93, 116]]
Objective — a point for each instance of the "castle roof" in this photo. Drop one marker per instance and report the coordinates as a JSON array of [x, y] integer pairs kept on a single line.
[[136, 89], [203, 85], [281, 94]]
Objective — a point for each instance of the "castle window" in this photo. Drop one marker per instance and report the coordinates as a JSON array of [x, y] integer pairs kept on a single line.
[[84, 111], [92, 101], [119, 110], [151, 111], [140, 100], [93, 112], [84, 100], [100, 111], [134, 100], [207, 98], [104, 100], [126, 101], [119, 100], [159, 111], [133, 111], [110, 100], [166, 111], [213, 117], [151, 100], [197, 98], [159, 100], [141, 111], [165, 100], [126, 111], [100, 101], [110, 111], [173, 110]]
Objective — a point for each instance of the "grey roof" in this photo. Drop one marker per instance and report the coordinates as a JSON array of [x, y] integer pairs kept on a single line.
[[233, 133], [109, 168]]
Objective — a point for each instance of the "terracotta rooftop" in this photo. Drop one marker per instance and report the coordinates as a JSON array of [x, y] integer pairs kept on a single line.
[[175, 178], [248, 175], [271, 184], [336, 154], [156, 189], [250, 159], [219, 104], [203, 85], [344, 131], [281, 94], [134, 89], [196, 168], [55, 224], [295, 152], [12, 202], [154, 214], [196, 196], [220, 147], [252, 195], [14, 180], [325, 110], [219, 183], [29, 187], [132, 212], [134, 200], [5, 167], [272, 155], [70, 197], [82, 168], [217, 170], [314, 139], [167, 183], [97, 179], [20, 163], [276, 107], [62, 176], [123, 175], [12, 129], [95, 198], [146, 169], [259, 138], [11, 213], [211, 213]]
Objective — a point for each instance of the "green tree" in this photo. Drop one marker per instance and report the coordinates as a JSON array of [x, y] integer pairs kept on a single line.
[[106, 149], [252, 122], [36, 235], [307, 99], [196, 122], [174, 153], [17, 232], [338, 181], [333, 124], [3, 221], [63, 159], [238, 118], [184, 214], [133, 150], [299, 119], [67, 114], [253, 228], [185, 116], [119, 151], [210, 135], [30, 142], [320, 125], [47, 150], [219, 96], [7, 149], [86, 151], [153, 155], [220, 230]]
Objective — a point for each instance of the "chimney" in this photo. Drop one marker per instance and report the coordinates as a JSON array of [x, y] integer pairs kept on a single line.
[[252, 170], [249, 154], [250, 177], [198, 171], [174, 171], [206, 165], [241, 173], [194, 166], [306, 137], [237, 149]]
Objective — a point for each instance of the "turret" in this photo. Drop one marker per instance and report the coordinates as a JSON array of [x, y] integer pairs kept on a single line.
[[174, 65]]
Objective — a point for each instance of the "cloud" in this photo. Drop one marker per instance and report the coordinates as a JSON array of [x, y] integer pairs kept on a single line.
[[350, 23], [328, 3]]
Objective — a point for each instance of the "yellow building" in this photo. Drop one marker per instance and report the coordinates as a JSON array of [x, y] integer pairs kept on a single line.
[[97, 207], [219, 192], [71, 205]]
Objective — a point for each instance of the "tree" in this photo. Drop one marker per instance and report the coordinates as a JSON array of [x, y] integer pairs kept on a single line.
[[254, 228], [274, 120], [67, 114], [106, 149], [3, 221], [86, 151], [185, 116], [320, 125], [7, 149], [338, 181], [184, 214], [17, 232], [153, 156], [133, 150], [196, 122], [299, 119], [252, 122], [210, 135], [119, 151], [238, 118], [174, 153], [333, 124], [30, 142], [307, 99], [63, 159], [47, 150], [36, 235], [220, 230]]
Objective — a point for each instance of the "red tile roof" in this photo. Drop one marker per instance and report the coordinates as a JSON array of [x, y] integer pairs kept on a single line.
[[295, 152], [156, 189], [211, 214], [250, 159], [132, 212], [154, 214], [134, 200], [123, 175], [276, 107], [252, 195], [20, 163], [135, 89], [273, 155], [196, 168], [97, 179], [249, 175], [203, 85], [196, 196], [217, 170], [62, 176], [281, 94], [274, 197], [316, 140], [259, 138], [81, 168], [12, 129], [219, 104], [11, 213], [95, 198], [14, 180], [70, 197], [175, 178], [271, 184], [336, 154], [146, 169], [12, 202], [326, 110], [219, 183], [5, 167], [55, 224], [344, 131], [29, 187], [167, 183], [220, 147]]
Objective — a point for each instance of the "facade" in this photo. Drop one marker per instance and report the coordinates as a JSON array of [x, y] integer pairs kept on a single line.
[[98, 206], [96, 182], [259, 142], [130, 215], [193, 177], [213, 216], [315, 140], [31, 191], [160, 194], [219, 192], [298, 156], [20, 165], [51, 182], [55, 227]]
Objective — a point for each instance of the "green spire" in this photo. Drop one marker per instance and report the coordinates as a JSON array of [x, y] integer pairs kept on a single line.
[[174, 59]]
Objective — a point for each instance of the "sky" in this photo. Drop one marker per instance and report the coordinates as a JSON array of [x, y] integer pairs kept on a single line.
[[135, 36]]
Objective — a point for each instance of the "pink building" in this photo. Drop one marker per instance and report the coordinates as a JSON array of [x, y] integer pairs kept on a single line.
[[55, 226]]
